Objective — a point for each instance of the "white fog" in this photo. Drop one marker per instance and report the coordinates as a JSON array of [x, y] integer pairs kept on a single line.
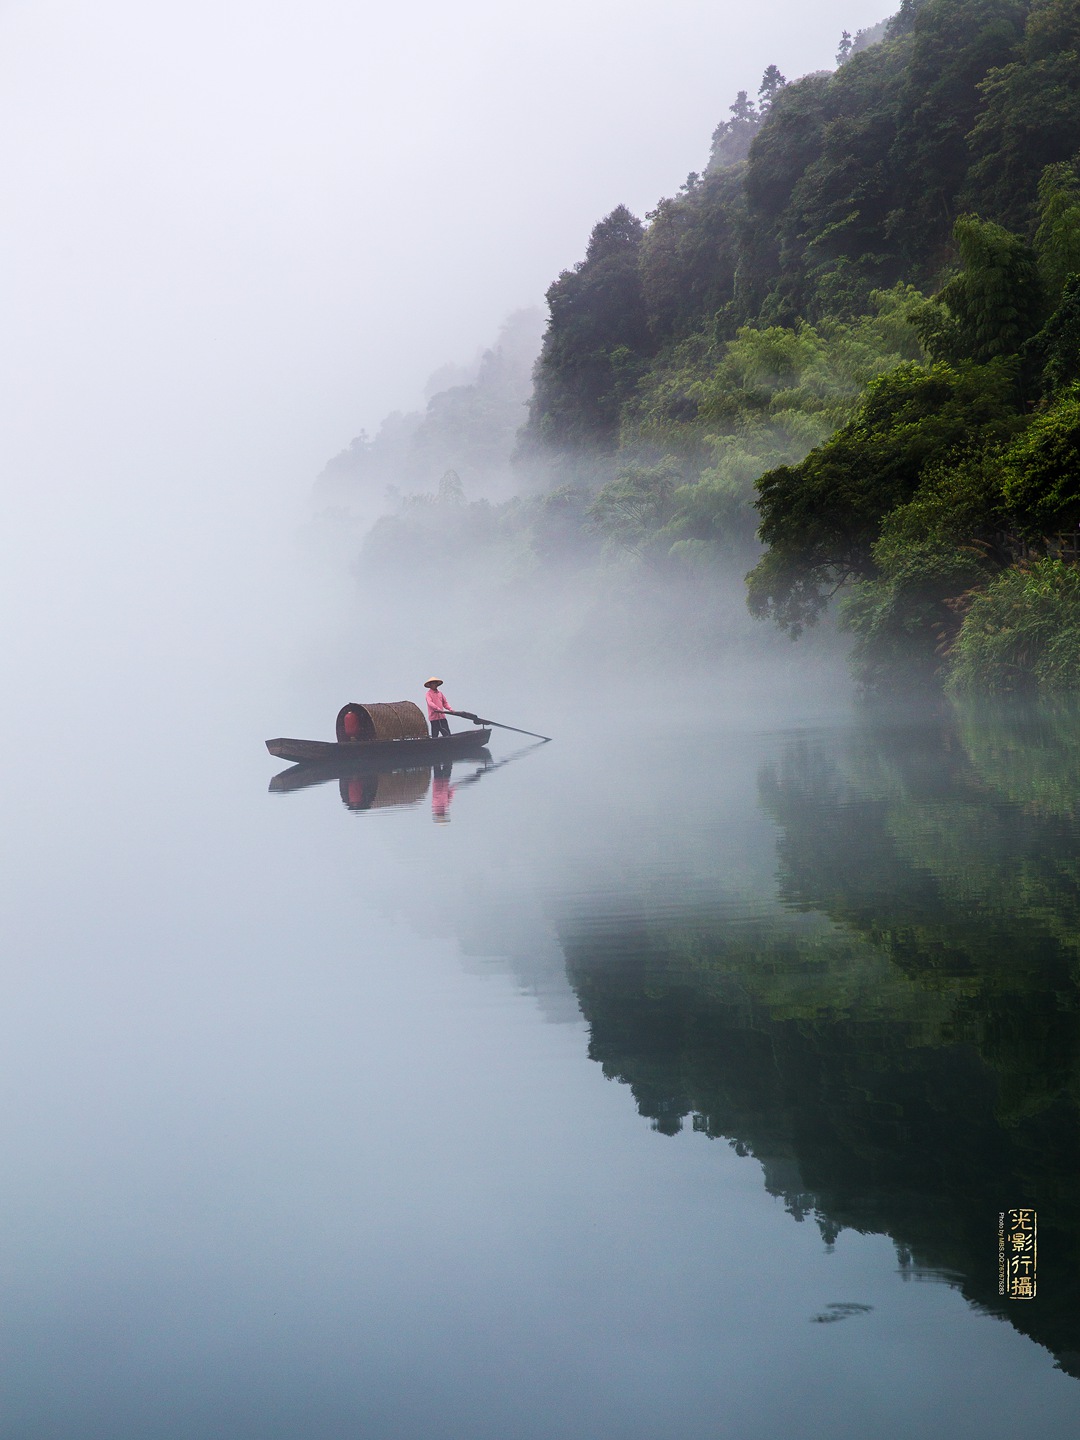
[[326, 1117]]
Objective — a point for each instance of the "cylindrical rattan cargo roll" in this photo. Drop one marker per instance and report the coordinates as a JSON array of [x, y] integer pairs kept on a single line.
[[398, 720]]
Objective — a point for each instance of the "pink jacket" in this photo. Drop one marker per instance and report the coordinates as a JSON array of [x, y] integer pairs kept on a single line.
[[437, 704]]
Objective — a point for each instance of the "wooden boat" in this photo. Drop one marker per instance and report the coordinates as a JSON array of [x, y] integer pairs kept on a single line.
[[387, 786], [380, 737], [379, 754]]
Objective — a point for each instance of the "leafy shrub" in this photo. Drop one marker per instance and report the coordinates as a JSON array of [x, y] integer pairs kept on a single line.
[[1042, 469], [1022, 633], [992, 306], [822, 518], [896, 619]]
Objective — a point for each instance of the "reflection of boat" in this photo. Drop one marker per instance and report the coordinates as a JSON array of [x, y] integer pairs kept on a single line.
[[384, 789], [367, 782], [386, 737], [363, 775]]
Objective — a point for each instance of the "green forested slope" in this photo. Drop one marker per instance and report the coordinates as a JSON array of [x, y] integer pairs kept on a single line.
[[863, 319]]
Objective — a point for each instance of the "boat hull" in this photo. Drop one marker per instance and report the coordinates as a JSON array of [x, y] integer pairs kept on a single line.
[[379, 754]]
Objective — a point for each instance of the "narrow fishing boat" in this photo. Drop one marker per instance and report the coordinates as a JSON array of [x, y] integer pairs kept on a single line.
[[387, 736]]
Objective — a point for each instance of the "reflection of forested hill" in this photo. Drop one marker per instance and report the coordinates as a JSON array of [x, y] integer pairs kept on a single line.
[[906, 1060]]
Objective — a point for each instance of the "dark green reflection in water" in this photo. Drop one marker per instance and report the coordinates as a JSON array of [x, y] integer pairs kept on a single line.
[[898, 1039]]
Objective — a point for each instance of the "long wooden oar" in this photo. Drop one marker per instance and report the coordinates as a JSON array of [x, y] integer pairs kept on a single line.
[[464, 715]]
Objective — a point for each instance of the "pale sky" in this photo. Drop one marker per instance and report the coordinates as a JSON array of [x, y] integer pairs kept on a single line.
[[284, 216]]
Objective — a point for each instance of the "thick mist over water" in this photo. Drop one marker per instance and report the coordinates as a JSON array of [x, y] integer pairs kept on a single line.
[[291, 1146], [220, 264], [525, 573]]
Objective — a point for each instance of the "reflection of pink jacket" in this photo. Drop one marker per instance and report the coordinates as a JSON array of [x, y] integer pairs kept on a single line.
[[437, 704], [442, 792]]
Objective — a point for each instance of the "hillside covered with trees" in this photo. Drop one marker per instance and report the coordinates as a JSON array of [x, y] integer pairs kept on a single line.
[[859, 330], [854, 340]]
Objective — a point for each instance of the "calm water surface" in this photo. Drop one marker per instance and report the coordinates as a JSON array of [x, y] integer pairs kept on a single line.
[[665, 1084]]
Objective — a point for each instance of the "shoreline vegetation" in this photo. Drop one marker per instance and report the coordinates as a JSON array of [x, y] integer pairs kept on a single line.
[[844, 358]]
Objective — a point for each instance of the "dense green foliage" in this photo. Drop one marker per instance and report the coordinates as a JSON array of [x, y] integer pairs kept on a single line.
[[597, 340], [853, 339], [992, 305], [823, 518], [852, 182], [1022, 632], [1029, 115], [1041, 470], [867, 311]]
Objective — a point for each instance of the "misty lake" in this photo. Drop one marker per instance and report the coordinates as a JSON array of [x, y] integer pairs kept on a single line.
[[664, 1080], [711, 1072]]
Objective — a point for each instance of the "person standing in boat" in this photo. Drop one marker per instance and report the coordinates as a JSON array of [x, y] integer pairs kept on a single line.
[[438, 707]]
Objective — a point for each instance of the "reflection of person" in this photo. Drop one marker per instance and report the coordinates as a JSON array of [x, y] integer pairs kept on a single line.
[[438, 707], [442, 792]]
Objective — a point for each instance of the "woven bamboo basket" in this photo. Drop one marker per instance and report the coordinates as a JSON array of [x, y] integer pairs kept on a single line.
[[398, 720]]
